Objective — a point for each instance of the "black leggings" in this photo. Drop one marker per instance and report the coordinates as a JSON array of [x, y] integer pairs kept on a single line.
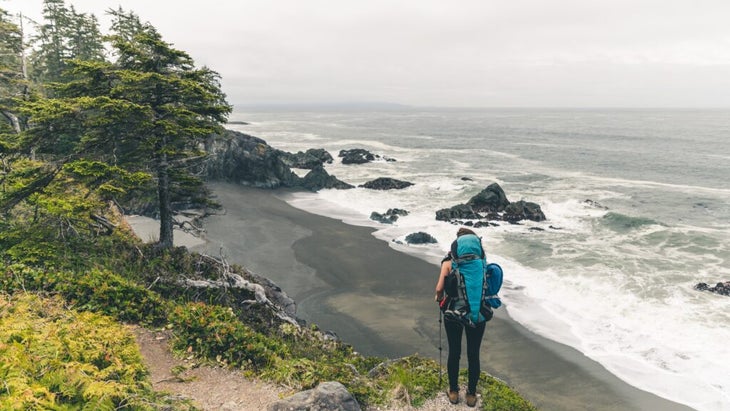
[[473, 343]]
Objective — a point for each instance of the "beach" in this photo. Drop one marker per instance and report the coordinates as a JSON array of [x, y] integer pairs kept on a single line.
[[381, 300]]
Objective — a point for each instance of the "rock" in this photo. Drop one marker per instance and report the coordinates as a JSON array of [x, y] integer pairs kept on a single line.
[[719, 288], [389, 217], [318, 178], [420, 238], [314, 157], [467, 179], [247, 160], [491, 199], [491, 204], [386, 183], [356, 156], [460, 211], [595, 204], [523, 210], [328, 396]]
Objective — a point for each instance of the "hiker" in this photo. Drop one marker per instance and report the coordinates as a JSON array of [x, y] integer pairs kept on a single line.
[[455, 327]]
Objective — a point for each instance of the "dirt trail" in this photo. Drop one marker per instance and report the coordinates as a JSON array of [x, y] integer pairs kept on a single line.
[[215, 388], [212, 388]]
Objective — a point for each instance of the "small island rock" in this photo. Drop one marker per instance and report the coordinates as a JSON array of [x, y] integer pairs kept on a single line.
[[420, 238], [386, 183]]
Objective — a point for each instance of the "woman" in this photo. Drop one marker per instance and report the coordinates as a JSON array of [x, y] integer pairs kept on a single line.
[[454, 329]]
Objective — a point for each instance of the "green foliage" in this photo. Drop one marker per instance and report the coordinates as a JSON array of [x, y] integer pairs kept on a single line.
[[55, 358], [216, 332], [498, 396]]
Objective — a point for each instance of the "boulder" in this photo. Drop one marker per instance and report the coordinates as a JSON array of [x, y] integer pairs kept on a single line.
[[719, 288], [460, 211], [389, 217], [491, 199], [318, 178], [386, 183], [356, 156], [328, 396], [309, 159], [420, 238], [523, 210]]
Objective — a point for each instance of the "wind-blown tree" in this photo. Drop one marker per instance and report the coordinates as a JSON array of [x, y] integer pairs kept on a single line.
[[148, 111]]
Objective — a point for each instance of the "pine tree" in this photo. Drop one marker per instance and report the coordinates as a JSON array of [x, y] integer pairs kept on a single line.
[[64, 35], [12, 80], [147, 111]]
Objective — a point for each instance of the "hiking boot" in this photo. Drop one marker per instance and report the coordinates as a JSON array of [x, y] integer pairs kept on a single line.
[[453, 396], [471, 399]]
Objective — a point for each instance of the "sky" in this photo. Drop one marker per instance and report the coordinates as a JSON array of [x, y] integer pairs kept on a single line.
[[446, 53]]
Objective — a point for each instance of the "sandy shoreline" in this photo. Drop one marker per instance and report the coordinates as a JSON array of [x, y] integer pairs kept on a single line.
[[380, 300]]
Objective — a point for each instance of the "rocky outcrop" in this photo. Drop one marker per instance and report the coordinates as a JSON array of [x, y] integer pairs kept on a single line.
[[491, 204], [360, 156], [390, 216], [420, 238], [328, 396], [318, 179], [523, 210], [457, 212], [490, 200], [719, 288], [356, 156], [310, 159], [246, 160], [386, 183]]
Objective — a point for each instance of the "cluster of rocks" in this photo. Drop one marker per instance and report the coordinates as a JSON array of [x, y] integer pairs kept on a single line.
[[249, 161], [360, 156], [719, 288], [489, 205], [390, 216]]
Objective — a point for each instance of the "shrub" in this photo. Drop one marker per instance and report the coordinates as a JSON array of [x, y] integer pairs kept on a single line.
[[55, 358]]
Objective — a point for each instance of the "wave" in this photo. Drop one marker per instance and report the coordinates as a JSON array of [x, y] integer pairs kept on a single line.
[[623, 223]]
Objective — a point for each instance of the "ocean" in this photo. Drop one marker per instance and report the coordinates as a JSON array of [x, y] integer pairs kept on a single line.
[[638, 212]]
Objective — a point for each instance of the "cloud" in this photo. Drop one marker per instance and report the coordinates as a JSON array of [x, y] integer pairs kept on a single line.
[[465, 53]]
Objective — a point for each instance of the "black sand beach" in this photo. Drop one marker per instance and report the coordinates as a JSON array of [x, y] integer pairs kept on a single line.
[[381, 301]]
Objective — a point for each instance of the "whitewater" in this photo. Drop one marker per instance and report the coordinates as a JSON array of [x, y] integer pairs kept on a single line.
[[638, 212]]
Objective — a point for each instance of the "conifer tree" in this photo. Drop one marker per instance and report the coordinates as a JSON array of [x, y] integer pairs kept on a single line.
[[147, 111], [12, 79]]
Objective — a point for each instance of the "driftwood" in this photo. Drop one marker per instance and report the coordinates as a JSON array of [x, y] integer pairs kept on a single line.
[[230, 279], [103, 222]]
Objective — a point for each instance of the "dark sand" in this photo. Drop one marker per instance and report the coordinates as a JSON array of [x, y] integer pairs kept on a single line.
[[381, 301]]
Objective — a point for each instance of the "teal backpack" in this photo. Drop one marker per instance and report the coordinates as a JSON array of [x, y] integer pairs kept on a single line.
[[472, 285]]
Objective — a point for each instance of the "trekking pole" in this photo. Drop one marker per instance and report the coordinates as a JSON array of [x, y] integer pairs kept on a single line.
[[441, 315]]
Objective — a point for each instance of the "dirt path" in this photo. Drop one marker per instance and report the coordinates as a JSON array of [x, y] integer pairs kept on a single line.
[[215, 388], [212, 388]]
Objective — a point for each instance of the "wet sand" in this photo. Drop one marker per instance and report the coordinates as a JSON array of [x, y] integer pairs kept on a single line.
[[381, 301]]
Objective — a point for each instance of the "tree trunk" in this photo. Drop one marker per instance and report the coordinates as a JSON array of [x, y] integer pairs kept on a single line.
[[163, 192], [13, 120]]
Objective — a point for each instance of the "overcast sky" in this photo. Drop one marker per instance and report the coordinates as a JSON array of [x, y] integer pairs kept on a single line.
[[507, 53]]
